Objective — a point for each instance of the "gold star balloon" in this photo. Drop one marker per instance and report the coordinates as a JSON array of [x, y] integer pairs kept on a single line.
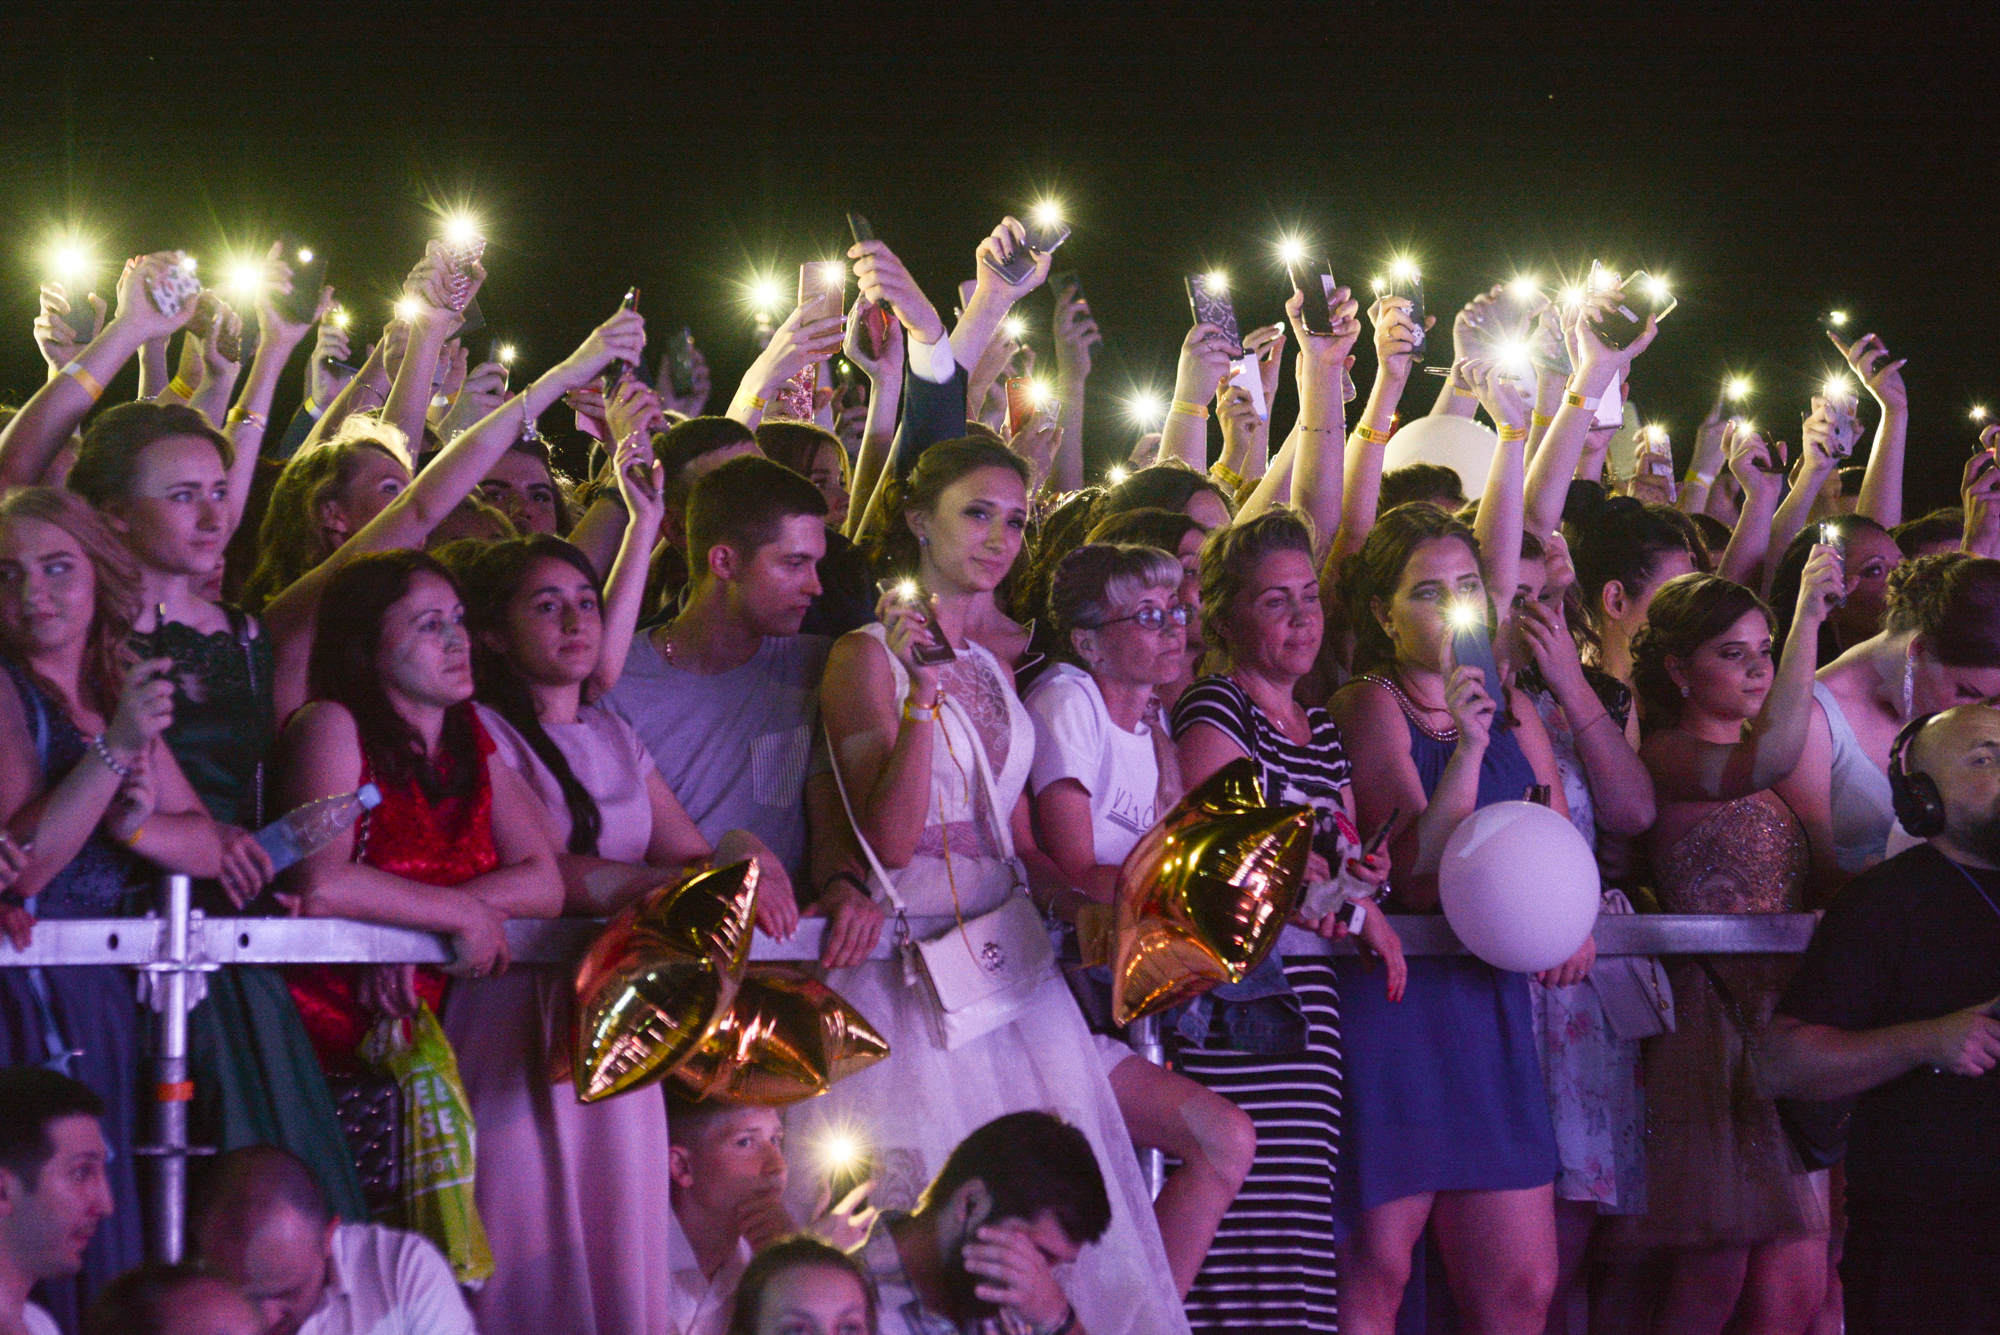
[[660, 977], [784, 1038], [1204, 893]]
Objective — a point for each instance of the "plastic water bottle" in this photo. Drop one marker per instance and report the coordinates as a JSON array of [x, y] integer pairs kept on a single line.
[[304, 831]]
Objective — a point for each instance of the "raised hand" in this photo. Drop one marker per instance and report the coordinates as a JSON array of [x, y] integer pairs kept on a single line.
[[882, 279], [1395, 335], [62, 331], [136, 310], [483, 389], [641, 479], [634, 411], [1868, 357], [1012, 1274], [1979, 493], [1007, 238], [1076, 334], [145, 707], [1758, 468], [794, 347], [1204, 364], [858, 349], [1591, 352], [1822, 585], [620, 338]]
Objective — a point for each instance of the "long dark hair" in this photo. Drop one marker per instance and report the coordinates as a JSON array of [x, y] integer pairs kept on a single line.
[[494, 573], [1619, 538], [1790, 571], [289, 541], [1060, 533], [1376, 570], [342, 669], [1687, 612]]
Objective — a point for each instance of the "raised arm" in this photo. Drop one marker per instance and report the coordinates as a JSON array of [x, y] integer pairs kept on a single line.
[[1759, 470], [1319, 468], [1361, 496], [992, 295], [1819, 456], [884, 754], [1204, 363], [1501, 505], [1979, 493], [792, 348], [31, 439], [1597, 366], [277, 339], [885, 399], [1076, 334], [1882, 484], [1686, 768], [641, 483]]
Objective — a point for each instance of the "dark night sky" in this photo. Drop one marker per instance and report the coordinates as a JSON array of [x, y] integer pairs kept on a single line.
[[1774, 161]]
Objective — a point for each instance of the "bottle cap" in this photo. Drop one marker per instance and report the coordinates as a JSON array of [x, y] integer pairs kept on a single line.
[[369, 796]]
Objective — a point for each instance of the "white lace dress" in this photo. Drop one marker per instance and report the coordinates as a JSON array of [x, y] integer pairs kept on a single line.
[[911, 1110]]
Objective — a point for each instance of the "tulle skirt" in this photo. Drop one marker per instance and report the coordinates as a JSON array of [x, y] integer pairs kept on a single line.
[[913, 1108]]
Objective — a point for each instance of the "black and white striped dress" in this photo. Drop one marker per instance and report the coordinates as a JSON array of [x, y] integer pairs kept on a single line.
[[1271, 1267]]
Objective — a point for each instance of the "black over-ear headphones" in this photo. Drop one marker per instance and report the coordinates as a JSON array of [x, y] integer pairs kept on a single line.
[[1918, 803]]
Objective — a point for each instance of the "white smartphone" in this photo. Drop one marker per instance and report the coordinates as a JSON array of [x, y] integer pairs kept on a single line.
[[1611, 408], [1243, 372]]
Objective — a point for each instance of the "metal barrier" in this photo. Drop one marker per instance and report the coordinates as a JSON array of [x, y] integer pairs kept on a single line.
[[182, 940]]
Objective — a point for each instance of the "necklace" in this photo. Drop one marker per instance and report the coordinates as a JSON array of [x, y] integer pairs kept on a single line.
[[1411, 708]]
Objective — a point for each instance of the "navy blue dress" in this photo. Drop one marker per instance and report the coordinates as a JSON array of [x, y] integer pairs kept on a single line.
[[81, 1020], [1444, 1088]]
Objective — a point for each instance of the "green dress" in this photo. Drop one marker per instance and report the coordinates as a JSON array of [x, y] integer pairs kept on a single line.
[[257, 1081]]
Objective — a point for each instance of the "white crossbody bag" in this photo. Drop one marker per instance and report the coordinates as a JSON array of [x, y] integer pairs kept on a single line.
[[985, 972]]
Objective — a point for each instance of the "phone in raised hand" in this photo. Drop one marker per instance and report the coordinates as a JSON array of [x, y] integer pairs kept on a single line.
[[858, 225], [619, 368], [308, 276], [1472, 646], [1405, 280], [1208, 298], [460, 255], [172, 288], [1640, 296], [680, 363], [822, 290], [930, 648], [1045, 233], [1316, 312]]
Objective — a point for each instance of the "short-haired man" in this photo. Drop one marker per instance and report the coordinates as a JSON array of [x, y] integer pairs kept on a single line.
[[1895, 1003], [724, 694], [1019, 1197], [727, 1166], [53, 1191], [263, 1225]]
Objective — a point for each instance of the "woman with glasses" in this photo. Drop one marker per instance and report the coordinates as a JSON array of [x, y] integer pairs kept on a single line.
[[1103, 773]]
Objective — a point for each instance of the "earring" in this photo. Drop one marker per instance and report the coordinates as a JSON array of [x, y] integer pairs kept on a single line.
[[1910, 683], [923, 541], [1684, 690]]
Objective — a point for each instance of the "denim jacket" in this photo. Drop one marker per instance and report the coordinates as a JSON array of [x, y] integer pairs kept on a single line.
[[1261, 1014]]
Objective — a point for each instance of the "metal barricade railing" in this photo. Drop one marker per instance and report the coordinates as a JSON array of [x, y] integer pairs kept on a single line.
[[181, 940]]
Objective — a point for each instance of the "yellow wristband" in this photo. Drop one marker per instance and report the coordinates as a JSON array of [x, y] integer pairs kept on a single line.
[[1576, 400], [240, 415], [1371, 435], [181, 387], [91, 384], [1540, 419], [1228, 477], [1186, 409], [758, 402], [1509, 432], [1460, 393]]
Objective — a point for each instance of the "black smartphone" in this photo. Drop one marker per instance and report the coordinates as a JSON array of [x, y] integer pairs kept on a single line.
[[1043, 238], [1208, 298], [934, 651], [1313, 280], [475, 319], [1472, 646], [1640, 297], [308, 276], [619, 367], [680, 362], [858, 225], [1405, 281]]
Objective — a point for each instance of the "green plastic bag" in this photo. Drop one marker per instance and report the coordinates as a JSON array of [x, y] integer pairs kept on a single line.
[[439, 1141]]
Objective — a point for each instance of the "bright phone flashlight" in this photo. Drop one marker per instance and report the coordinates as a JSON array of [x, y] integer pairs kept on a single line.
[[1116, 474], [405, 308], [461, 228], [1736, 388], [1045, 213], [1978, 413], [1290, 249], [505, 354], [1146, 407], [1217, 280], [1014, 327], [1464, 614]]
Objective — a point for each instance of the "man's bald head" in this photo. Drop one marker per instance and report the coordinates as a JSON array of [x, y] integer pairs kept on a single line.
[[264, 1226], [1960, 751]]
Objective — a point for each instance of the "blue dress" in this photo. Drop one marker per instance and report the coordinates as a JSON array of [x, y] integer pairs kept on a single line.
[[1444, 1088], [81, 1020]]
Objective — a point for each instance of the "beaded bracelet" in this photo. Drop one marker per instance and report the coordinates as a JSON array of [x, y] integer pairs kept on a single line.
[[111, 762]]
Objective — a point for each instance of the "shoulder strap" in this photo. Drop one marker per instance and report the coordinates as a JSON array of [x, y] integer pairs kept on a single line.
[[888, 882]]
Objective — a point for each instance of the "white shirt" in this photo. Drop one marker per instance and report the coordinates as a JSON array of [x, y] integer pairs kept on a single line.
[[383, 1281], [700, 1305], [931, 361], [39, 1322], [1075, 738]]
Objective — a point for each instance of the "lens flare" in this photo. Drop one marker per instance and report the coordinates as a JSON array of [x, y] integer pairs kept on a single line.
[[767, 295], [906, 589], [340, 317], [71, 261], [1404, 269], [1014, 327], [1527, 287], [1656, 288], [1217, 280], [1464, 614], [1116, 475], [305, 256], [1146, 408], [405, 308], [505, 354], [461, 228], [1978, 413], [1838, 387], [1838, 319], [1046, 213], [246, 276], [1290, 249], [1736, 388]]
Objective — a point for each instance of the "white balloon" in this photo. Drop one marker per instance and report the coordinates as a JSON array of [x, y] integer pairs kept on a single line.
[[1519, 886], [1459, 443]]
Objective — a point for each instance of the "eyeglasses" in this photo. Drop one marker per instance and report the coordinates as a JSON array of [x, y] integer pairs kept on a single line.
[[1151, 618]]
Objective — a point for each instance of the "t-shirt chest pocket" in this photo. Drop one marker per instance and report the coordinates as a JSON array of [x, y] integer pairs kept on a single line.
[[778, 766]]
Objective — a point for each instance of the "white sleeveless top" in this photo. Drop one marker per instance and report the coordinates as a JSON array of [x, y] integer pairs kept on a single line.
[[1862, 808]]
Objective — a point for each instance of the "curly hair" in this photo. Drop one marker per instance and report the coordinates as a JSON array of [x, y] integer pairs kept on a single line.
[[1952, 601], [115, 577], [1687, 612], [1376, 570]]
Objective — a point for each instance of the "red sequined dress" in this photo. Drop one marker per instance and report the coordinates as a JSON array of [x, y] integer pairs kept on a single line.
[[442, 843]]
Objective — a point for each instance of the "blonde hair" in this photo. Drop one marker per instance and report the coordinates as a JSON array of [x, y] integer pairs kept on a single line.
[[100, 679]]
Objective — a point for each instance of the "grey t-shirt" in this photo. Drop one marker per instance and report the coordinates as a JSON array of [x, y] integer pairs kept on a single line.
[[733, 747]]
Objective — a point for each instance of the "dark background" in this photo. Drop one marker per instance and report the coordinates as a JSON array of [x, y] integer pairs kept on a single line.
[[1773, 161]]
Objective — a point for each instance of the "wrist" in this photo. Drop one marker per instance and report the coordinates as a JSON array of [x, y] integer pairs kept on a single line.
[[1592, 379]]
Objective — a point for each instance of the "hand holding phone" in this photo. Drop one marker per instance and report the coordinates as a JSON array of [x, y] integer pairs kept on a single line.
[[1016, 264], [1472, 647], [1312, 279], [1208, 298], [929, 648], [308, 267]]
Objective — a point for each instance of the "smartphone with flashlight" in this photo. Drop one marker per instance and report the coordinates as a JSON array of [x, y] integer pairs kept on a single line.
[[1639, 298], [822, 290], [619, 368], [1043, 237], [171, 289], [1312, 279], [459, 257], [1405, 281], [930, 649], [1472, 646], [308, 276], [1025, 399], [858, 225], [1209, 299], [847, 1167]]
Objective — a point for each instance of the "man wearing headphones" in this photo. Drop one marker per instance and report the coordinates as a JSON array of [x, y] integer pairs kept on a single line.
[[1894, 1006]]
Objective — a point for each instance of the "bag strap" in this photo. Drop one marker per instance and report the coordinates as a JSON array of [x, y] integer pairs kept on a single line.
[[868, 850], [239, 625]]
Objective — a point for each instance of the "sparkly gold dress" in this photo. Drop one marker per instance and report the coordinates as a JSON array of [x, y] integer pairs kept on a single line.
[[1719, 1169]]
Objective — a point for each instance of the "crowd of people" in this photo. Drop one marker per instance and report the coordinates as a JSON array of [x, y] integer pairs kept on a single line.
[[877, 634]]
